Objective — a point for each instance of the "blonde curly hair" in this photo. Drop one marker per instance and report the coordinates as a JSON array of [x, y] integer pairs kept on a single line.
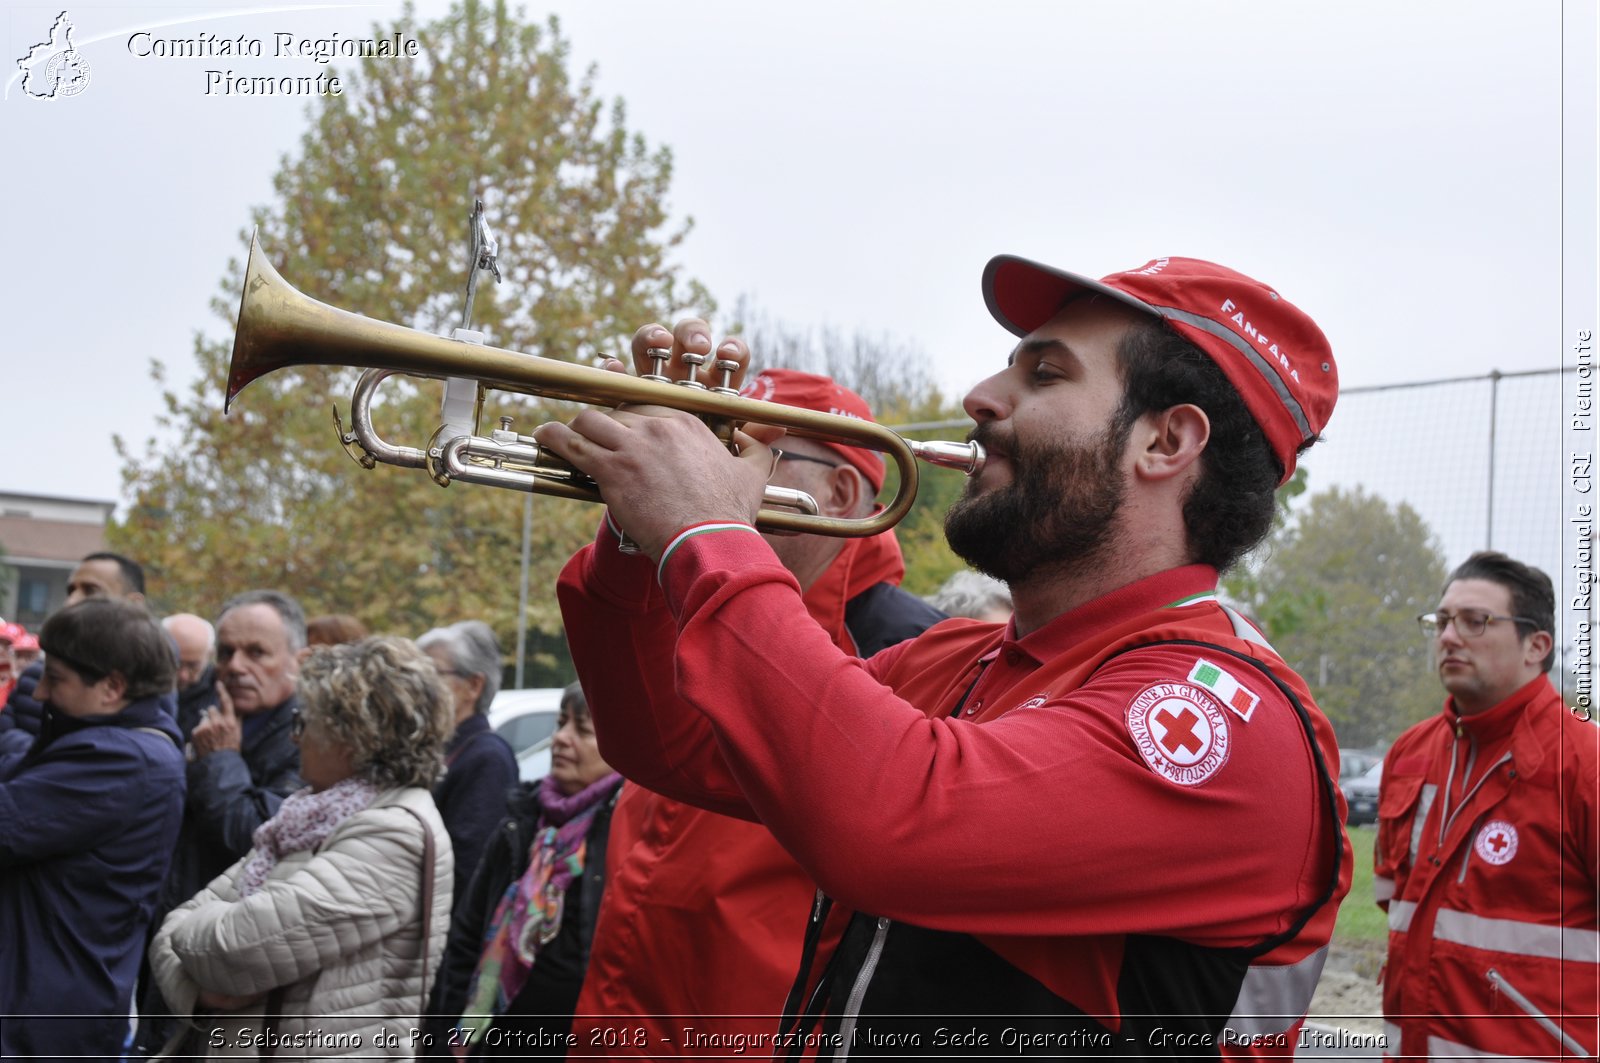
[[382, 699]]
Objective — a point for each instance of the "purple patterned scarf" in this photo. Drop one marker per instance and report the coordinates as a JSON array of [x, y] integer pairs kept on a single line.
[[304, 820], [529, 914]]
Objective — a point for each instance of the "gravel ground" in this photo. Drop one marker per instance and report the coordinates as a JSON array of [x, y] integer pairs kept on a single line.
[[1348, 994]]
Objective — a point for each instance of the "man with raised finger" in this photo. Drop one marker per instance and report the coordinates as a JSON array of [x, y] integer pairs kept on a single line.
[[242, 757]]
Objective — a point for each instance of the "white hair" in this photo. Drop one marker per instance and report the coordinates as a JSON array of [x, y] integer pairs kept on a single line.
[[167, 623], [968, 593]]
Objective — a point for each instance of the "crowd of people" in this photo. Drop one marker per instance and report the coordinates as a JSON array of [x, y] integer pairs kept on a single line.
[[1077, 805]]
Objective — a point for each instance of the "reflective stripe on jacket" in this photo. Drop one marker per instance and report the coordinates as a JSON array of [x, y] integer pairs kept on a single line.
[[1487, 866]]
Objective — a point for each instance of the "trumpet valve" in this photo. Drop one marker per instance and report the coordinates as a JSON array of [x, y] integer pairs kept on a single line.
[[727, 367], [659, 356], [694, 362]]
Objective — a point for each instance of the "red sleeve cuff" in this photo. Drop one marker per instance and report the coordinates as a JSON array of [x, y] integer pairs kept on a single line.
[[702, 549]]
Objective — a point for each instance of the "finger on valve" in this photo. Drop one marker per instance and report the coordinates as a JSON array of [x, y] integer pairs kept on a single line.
[[691, 349], [724, 370], [652, 351]]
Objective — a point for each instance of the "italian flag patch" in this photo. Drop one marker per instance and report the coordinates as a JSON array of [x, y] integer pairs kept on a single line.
[[1228, 690]]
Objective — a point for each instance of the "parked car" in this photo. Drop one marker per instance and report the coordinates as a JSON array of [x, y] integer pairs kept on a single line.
[[1361, 795], [526, 719], [1354, 763]]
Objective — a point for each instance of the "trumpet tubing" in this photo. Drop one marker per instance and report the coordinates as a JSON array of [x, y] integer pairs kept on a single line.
[[280, 328]]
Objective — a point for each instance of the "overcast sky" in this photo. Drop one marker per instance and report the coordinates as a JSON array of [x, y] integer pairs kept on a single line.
[[1393, 168]]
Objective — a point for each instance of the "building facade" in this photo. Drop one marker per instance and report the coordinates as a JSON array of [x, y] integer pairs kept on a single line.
[[41, 540]]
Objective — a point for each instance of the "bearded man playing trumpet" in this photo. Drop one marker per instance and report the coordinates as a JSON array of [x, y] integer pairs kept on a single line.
[[1107, 826]]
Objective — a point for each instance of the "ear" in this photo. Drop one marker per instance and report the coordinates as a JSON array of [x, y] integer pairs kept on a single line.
[[1170, 441], [848, 492], [113, 690], [1536, 647], [476, 683]]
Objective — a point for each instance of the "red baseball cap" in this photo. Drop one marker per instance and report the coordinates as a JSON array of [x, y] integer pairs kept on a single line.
[[1273, 354], [809, 391], [12, 633]]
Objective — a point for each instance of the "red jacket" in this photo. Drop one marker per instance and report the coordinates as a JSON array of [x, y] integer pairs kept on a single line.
[[703, 914], [1044, 822], [1493, 920]]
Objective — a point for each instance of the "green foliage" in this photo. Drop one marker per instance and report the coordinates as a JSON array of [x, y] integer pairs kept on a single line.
[[1360, 919], [1337, 590], [1242, 584], [929, 560], [372, 217]]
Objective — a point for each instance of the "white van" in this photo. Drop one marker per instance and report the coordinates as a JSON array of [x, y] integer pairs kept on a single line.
[[526, 719]]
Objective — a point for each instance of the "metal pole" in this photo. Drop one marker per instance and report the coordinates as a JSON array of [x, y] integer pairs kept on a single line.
[[1494, 405], [522, 595]]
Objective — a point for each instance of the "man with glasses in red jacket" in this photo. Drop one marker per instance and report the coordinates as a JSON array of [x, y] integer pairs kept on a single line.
[[1486, 854], [702, 913]]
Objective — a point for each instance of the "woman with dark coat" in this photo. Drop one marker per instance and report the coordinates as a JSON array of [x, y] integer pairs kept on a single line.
[[480, 768], [519, 941]]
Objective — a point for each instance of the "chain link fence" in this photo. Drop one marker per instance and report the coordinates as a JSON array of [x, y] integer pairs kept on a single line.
[[1487, 461]]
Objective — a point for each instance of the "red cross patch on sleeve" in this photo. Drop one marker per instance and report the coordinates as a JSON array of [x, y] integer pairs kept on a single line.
[[1180, 731]]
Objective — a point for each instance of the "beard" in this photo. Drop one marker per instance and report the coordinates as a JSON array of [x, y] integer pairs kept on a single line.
[[1056, 514]]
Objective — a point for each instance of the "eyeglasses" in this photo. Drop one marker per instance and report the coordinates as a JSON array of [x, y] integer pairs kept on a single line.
[[784, 455], [1470, 623], [297, 723]]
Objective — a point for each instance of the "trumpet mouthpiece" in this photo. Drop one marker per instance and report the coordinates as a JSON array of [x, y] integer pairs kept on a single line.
[[968, 457]]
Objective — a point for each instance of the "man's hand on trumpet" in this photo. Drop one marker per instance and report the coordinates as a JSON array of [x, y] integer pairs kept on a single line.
[[661, 470]]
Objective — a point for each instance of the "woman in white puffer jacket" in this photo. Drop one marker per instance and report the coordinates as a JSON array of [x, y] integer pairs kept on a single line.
[[336, 920]]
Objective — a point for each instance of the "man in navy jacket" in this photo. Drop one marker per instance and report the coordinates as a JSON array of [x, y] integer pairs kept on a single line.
[[89, 815]]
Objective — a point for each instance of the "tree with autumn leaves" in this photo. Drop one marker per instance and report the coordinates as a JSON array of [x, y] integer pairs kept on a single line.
[[1337, 588], [371, 217]]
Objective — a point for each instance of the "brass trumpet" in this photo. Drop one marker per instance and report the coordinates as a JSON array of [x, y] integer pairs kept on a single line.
[[280, 327]]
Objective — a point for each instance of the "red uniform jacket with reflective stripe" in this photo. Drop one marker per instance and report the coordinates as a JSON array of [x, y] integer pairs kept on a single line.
[[716, 689], [1493, 921]]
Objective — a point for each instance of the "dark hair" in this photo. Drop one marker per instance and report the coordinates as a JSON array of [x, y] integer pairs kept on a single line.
[[132, 571], [98, 636], [288, 610], [334, 629], [1229, 506], [1532, 594]]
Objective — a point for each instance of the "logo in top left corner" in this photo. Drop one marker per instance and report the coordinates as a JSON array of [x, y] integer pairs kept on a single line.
[[54, 68]]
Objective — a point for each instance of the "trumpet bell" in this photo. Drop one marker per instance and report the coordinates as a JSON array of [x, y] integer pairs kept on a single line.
[[281, 328]]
